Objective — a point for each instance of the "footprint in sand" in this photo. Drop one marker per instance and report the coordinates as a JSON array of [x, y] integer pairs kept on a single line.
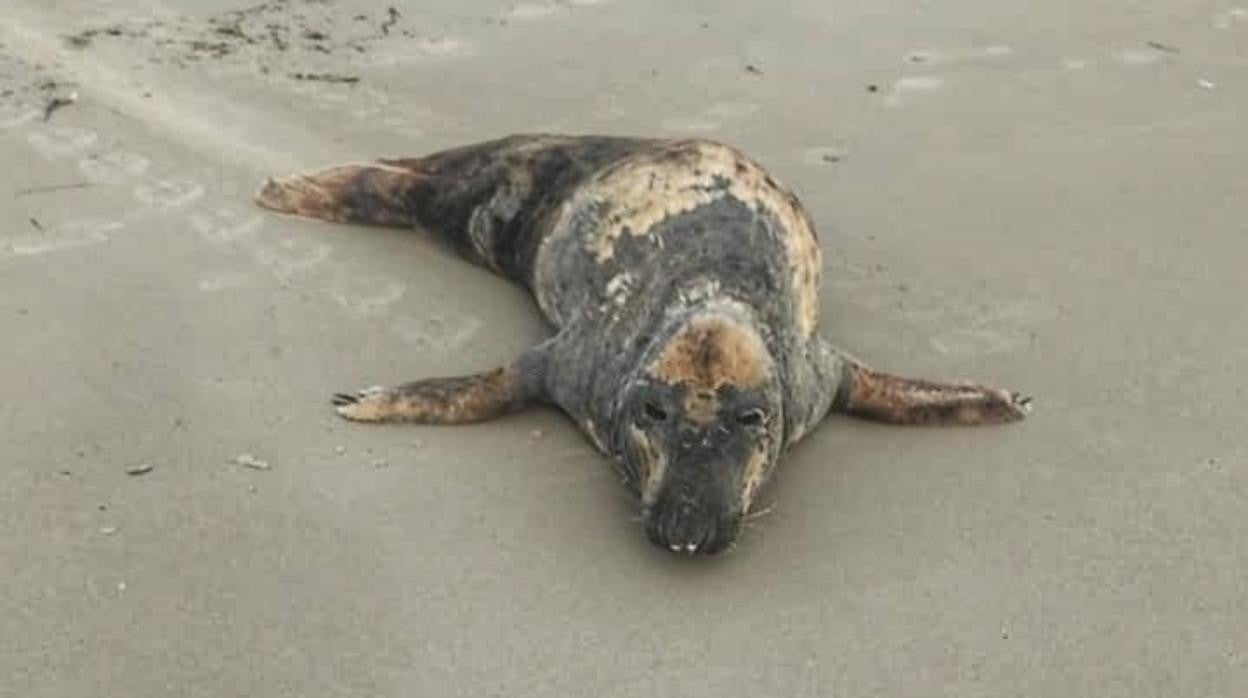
[[367, 296], [435, 332], [113, 167], [291, 257], [225, 225], [168, 193], [67, 236]]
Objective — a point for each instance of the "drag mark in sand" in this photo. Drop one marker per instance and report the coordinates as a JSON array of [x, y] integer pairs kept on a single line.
[[114, 167], [169, 193], [61, 141], [287, 259], [68, 236]]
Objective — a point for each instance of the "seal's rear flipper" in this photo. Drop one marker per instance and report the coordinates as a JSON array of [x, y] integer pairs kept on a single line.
[[374, 193], [885, 398], [455, 400], [485, 199]]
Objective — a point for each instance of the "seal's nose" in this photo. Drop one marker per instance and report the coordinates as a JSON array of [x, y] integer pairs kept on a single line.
[[684, 522]]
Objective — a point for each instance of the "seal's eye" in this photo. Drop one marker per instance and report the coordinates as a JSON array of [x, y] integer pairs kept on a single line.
[[654, 412], [751, 418]]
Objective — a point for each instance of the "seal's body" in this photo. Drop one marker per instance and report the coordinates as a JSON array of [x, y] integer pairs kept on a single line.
[[683, 282]]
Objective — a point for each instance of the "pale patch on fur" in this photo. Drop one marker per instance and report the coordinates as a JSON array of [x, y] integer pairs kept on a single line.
[[753, 476], [619, 288], [654, 464], [639, 193], [701, 407], [591, 430], [711, 352], [696, 293]]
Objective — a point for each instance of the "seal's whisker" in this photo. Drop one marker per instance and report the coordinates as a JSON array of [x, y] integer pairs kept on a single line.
[[756, 515]]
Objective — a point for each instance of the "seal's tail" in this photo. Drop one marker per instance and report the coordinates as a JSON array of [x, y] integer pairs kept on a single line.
[[374, 193]]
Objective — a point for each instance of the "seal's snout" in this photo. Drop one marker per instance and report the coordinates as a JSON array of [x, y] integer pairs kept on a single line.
[[684, 522]]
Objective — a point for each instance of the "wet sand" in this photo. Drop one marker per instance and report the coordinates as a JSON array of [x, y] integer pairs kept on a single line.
[[1046, 198]]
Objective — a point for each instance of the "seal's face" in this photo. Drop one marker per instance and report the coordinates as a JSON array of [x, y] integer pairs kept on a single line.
[[702, 432]]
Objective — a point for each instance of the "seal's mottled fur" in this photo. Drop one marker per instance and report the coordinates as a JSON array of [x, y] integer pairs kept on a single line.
[[683, 281]]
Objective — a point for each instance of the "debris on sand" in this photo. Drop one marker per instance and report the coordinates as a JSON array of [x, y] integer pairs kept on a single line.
[[249, 461], [1205, 84], [215, 49], [331, 78], [234, 31], [1164, 48], [753, 69], [85, 38], [140, 469], [50, 188], [391, 20], [57, 103]]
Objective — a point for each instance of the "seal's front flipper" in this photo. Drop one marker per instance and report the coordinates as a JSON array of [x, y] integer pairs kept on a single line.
[[374, 193], [454, 400], [885, 398]]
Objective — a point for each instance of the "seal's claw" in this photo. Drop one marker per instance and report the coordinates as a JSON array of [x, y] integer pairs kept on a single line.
[[1021, 401], [1016, 406], [368, 405], [341, 399]]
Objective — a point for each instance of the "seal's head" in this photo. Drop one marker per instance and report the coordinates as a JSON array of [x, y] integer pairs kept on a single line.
[[701, 429]]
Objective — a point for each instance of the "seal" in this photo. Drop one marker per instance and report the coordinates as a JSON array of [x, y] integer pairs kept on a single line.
[[683, 284]]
